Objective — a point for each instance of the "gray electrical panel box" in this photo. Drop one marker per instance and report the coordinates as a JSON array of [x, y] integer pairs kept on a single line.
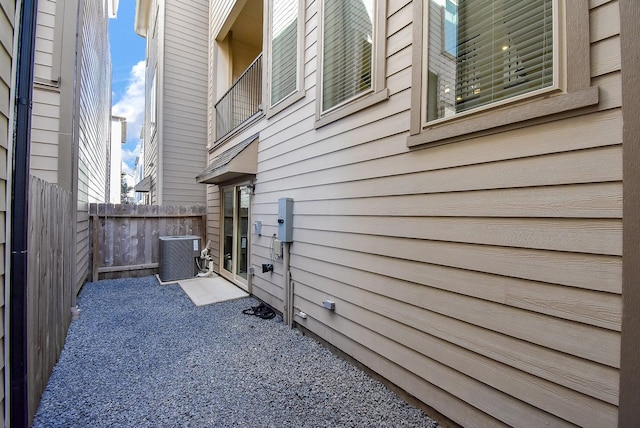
[[285, 219]]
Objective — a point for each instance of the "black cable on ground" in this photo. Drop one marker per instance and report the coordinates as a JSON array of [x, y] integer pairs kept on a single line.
[[262, 311]]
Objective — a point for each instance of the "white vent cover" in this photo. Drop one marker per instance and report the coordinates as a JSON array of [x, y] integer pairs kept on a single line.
[[177, 257]]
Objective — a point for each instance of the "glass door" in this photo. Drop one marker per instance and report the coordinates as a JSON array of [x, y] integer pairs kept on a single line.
[[235, 233]]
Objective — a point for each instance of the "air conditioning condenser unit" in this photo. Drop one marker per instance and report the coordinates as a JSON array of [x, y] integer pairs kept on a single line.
[[178, 257]]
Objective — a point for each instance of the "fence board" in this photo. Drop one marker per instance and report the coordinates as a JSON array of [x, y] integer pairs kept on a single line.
[[49, 282], [126, 237]]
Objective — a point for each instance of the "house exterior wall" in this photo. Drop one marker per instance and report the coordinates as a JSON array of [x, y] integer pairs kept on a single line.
[[217, 13], [7, 22], [184, 101], [94, 105], [228, 58], [46, 95], [176, 106], [220, 11], [152, 76], [483, 276], [94, 122], [71, 107]]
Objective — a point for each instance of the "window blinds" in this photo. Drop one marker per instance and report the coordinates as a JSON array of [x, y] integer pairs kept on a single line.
[[347, 50], [284, 49], [504, 48]]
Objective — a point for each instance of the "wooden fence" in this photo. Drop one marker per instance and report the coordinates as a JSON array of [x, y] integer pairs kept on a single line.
[[125, 238], [49, 282]]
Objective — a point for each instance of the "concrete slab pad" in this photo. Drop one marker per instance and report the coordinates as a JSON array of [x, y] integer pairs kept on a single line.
[[208, 290]]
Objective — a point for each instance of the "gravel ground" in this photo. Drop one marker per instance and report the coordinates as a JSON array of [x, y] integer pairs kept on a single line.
[[142, 355]]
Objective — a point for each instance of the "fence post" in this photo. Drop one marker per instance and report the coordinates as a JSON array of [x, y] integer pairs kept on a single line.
[[94, 221]]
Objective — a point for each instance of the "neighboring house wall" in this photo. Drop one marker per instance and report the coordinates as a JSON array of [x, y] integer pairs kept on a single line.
[[95, 94], [46, 93], [71, 107], [94, 122], [7, 22], [153, 33], [483, 276], [184, 101], [53, 119], [176, 100]]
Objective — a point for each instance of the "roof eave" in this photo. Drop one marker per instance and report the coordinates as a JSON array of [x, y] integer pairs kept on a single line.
[[141, 23]]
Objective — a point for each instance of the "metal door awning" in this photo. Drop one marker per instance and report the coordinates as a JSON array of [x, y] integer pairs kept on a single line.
[[240, 160], [143, 185]]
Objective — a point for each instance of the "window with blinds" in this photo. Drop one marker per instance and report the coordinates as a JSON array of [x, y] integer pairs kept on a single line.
[[284, 49], [484, 51], [347, 50]]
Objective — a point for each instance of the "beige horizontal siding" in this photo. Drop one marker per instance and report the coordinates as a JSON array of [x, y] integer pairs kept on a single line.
[[94, 112], [579, 167], [439, 278], [213, 224], [409, 296], [604, 22], [151, 159], [578, 133], [593, 4], [46, 22], [46, 100], [45, 151], [463, 384], [7, 16], [184, 115], [578, 201], [214, 10], [501, 377], [604, 237], [220, 10], [483, 276], [466, 415]]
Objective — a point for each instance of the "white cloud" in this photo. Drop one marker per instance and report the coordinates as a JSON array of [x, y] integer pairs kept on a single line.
[[127, 170], [127, 174], [130, 156], [131, 104]]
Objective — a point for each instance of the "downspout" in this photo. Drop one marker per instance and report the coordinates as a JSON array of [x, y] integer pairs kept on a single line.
[[19, 399]]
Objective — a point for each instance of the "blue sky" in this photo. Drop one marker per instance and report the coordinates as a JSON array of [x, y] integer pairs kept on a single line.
[[127, 58]]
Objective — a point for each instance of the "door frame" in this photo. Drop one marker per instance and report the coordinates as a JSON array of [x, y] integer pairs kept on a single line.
[[232, 275]]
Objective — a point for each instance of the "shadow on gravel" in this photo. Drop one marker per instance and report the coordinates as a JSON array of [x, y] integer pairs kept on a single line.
[[143, 355]]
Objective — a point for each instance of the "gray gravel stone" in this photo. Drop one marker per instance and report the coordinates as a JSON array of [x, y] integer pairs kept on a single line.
[[143, 355]]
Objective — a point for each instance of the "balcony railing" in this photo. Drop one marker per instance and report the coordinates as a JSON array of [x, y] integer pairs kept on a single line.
[[242, 100]]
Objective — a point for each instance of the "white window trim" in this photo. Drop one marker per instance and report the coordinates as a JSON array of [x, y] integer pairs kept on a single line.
[[378, 91], [300, 92], [572, 88]]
